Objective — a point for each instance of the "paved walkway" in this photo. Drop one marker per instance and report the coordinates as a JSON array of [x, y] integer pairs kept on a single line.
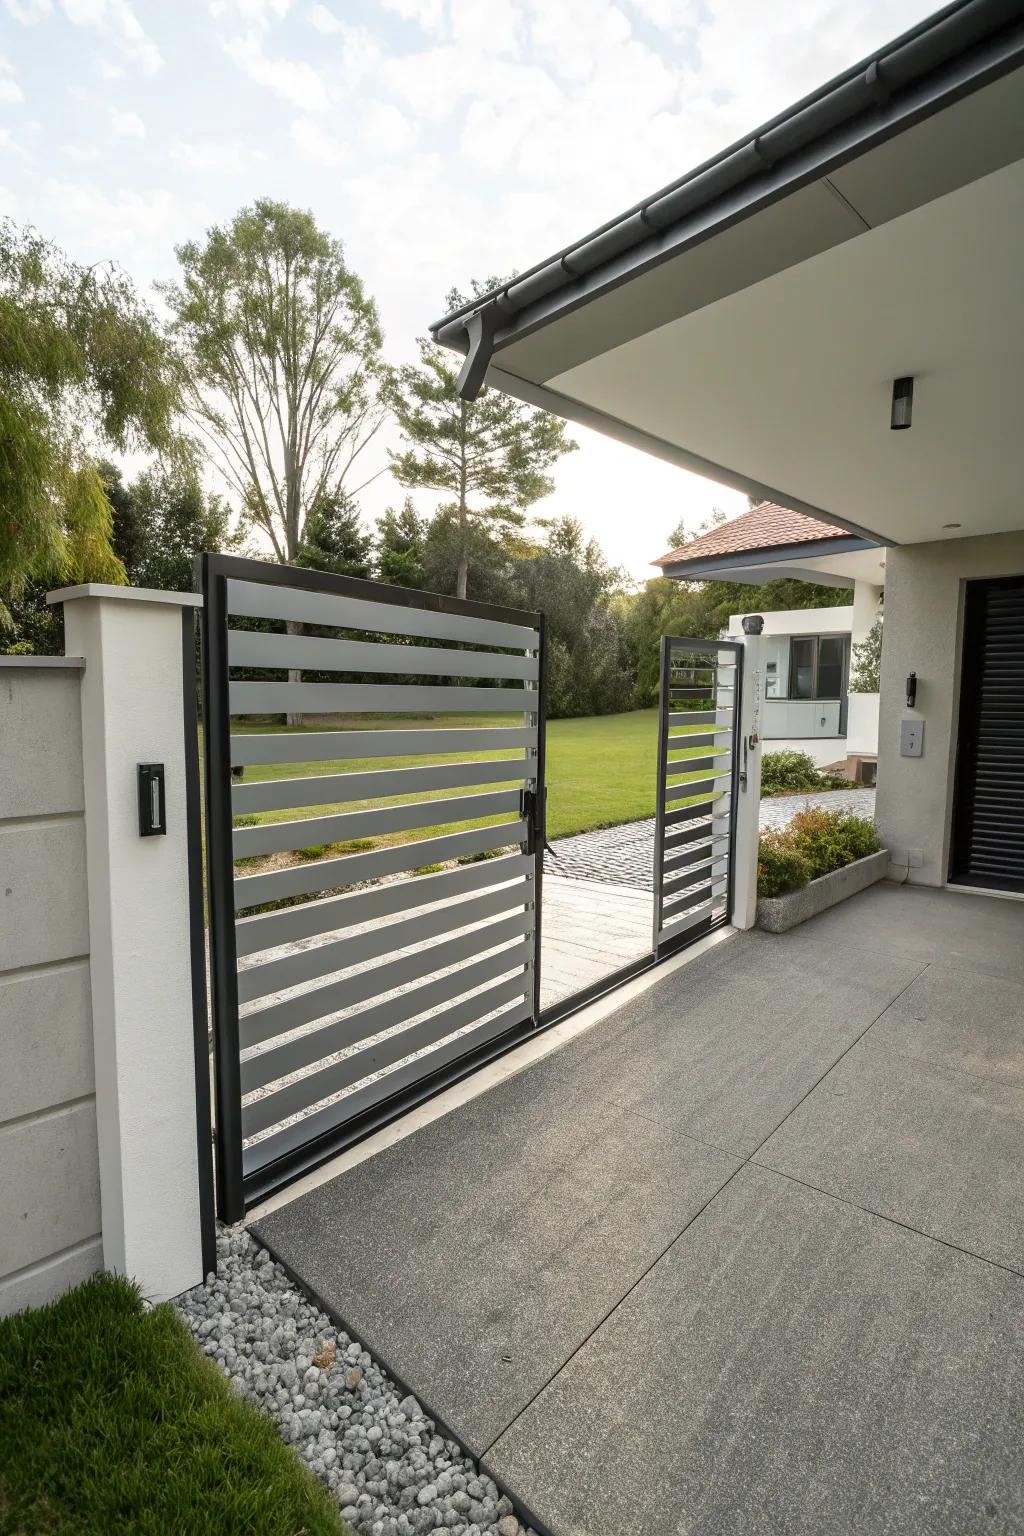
[[625, 855], [747, 1256]]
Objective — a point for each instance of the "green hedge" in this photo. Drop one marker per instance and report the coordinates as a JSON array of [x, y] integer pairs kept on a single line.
[[787, 773]]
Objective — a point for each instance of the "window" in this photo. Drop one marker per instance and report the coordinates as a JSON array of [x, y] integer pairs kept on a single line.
[[817, 666]]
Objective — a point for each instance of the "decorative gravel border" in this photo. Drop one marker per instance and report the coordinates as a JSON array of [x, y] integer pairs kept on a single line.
[[390, 1471]]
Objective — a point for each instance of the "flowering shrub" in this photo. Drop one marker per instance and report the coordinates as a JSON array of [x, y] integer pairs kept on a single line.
[[814, 844]]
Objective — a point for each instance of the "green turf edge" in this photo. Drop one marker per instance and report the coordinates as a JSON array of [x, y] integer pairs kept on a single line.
[[112, 1420]]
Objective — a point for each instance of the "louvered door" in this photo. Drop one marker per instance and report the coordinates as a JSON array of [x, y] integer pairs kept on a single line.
[[988, 823]]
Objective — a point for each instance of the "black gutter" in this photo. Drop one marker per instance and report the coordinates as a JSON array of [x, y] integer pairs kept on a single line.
[[907, 80]]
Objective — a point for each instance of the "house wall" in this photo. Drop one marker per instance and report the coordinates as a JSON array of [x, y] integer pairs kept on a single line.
[[924, 634], [49, 1172]]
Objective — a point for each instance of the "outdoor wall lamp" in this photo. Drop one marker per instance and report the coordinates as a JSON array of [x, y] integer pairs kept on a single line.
[[753, 624], [911, 690], [902, 404]]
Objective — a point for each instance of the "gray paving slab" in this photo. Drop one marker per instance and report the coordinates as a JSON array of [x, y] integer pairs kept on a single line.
[[958, 1018], [474, 1257], [982, 933], [791, 1365], [939, 1149], [727, 1050]]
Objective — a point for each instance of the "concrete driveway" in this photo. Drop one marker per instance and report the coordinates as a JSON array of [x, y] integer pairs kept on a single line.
[[745, 1257]]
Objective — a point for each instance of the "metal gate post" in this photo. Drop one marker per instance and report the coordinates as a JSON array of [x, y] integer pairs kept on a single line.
[[220, 886], [747, 748], [539, 820]]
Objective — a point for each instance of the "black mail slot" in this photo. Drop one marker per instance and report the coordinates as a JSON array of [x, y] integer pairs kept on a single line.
[[152, 802]]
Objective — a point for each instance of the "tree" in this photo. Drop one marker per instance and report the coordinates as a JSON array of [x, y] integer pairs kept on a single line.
[[280, 351], [82, 368], [399, 551], [865, 675], [490, 456], [335, 540], [162, 521], [571, 582]]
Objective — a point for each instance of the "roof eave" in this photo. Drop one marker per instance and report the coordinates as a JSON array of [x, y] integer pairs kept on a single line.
[[724, 191], [710, 567]]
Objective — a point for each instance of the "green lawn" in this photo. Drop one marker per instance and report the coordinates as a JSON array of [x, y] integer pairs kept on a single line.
[[600, 770], [111, 1420]]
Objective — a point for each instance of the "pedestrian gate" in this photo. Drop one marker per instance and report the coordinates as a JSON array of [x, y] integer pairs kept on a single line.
[[697, 785], [337, 1000]]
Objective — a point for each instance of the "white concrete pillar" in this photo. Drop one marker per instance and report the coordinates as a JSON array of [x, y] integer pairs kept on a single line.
[[139, 937], [748, 799]]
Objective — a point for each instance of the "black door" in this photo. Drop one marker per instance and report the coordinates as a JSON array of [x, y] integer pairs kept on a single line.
[[988, 821]]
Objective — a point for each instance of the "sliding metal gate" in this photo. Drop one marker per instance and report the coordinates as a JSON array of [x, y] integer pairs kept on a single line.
[[337, 1003], [697, 785]]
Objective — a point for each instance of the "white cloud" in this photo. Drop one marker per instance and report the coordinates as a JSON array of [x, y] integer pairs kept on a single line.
[[316, 144], [116, 20], [428, 14], [325, 21], [128, 124], [293, 80], [28, 12], [213, 155], [10, 90], [255, 13]]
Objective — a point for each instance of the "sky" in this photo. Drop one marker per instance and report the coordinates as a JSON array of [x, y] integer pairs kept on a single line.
[[440, 140]]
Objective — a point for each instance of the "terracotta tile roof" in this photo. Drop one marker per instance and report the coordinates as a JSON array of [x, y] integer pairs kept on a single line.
[[764, 527]]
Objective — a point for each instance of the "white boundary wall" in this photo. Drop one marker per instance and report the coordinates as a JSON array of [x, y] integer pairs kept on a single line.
[[49, 1167], [98, 1074]]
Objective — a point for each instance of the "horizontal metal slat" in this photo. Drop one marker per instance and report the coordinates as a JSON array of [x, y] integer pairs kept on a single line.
[[280, 836], [256, 600], [695, 854], [311, 1089], [376, 698], [701, 914], [315, 1045], [714, 826], [327, 746], [383, 939], [331, 914], [680, 691], [353, 868], [695, 787], [319, 1002], [331, 1116], [375, 784], [713, 869], [253, 648], [682, 904], [703, 717], [696, 765], [686, 741], [705, 794]]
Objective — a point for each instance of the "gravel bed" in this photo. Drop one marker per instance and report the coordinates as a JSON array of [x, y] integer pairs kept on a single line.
[[390, 1471]]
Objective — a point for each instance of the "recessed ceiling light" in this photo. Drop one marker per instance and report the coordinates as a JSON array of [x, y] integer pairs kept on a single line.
[[952, 525]]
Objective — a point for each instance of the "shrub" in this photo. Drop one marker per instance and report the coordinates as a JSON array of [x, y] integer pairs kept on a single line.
[[814, 844], [780, 868], [787, 773], [829, 839]]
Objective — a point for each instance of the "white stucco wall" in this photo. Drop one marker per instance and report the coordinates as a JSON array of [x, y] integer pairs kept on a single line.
[[49, 1170], [923, 634]]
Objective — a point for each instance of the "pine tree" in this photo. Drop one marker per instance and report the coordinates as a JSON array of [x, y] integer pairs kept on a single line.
[[400, 537], [335, 540]]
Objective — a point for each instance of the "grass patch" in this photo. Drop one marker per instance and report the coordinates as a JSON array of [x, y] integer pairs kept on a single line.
[[111, 1420]]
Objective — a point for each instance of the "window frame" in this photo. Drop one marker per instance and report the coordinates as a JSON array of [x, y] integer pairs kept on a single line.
[[815, 697]]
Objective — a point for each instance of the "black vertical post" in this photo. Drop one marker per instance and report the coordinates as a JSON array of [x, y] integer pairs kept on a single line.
[[664, 705], [538, 829], [734, 781], [220, 882], [197, 942]]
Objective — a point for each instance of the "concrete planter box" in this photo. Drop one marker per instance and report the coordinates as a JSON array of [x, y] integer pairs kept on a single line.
[[777, 913]]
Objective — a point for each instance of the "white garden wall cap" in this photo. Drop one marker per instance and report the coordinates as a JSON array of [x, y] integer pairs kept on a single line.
[[76, 663], [129, 594]]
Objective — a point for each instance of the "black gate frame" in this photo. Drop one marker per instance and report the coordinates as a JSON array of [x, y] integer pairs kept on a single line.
[[236, 1191]]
